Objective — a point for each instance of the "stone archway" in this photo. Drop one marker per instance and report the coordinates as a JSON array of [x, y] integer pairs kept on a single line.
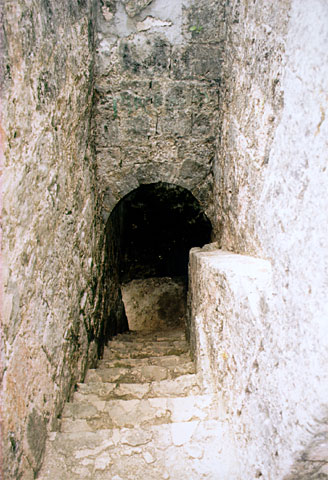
[[149, 234]]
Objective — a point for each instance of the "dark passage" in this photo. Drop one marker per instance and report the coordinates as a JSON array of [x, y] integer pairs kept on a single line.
[[159, 224], [149, 235]]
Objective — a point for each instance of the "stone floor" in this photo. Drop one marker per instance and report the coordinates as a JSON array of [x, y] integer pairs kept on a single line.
[[140, 415]]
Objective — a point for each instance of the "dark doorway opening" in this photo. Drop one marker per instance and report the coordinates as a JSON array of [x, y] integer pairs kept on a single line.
[[160, 223], [149, 235]]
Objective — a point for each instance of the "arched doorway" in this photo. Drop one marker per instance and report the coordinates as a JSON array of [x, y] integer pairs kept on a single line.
[[150, 233]]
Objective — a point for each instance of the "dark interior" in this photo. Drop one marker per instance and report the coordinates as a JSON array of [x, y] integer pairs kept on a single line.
[[158, 224]]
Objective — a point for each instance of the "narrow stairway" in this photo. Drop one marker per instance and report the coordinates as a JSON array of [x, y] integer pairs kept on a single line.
[[141, 415]]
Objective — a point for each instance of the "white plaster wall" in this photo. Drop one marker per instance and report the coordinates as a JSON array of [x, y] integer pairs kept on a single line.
[[275, 208], [292, 226]]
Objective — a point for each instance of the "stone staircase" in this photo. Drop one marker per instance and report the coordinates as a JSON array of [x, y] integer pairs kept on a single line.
[[141, 415]]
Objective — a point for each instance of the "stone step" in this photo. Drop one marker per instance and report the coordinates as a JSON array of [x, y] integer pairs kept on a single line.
[[164, 361], [158, 336], [144, 373], [178, 387], [95, 415], [120, 350], [138, 342], [176, 451]]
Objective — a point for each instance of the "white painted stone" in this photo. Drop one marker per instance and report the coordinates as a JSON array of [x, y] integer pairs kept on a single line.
[[194, 451], [102, 462], [230, 296], [272, 202], [151, 23], [182, 432], [148, 457]]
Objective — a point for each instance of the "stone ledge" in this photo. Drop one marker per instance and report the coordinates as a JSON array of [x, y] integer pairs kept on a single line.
[[229, 299]]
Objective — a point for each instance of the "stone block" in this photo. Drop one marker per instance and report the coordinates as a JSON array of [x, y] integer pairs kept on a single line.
[[229, 295], [154, 303], [197, 62], [230, 306], [204, 22], [146, 55]]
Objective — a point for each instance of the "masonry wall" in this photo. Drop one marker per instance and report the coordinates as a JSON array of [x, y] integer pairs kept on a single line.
[[271, 202], [157, 85], [230, 96], [52, 246]]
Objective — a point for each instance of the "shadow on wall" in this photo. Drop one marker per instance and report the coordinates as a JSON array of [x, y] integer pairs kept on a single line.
[[149, 235]]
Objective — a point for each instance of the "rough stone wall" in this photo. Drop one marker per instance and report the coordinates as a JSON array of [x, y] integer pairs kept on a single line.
[[51, 251], [157, 83], [181, 87], [271, 202], [251, 101]]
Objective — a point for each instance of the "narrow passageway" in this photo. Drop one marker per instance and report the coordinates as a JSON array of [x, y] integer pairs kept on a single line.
[[151, 232], [143, 413]]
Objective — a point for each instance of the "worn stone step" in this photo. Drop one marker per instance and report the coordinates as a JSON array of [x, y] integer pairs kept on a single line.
[[144, 373], [95, 415], [181, 386], [157, 336], [141, 342], [119, 351], [177, 451], [164, 361]]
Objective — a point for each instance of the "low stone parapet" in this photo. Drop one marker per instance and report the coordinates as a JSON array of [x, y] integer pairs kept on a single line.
[[229, 298]]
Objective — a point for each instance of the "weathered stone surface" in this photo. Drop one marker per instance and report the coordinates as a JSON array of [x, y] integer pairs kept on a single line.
[[163, 451], [271, 200], [167, 361], [96, 415], [36, 434], [176, 349], [157, 88], [52, 234], [156, 429], [134, 7], [48, 208], [154, 303], [229, 96], [138, 373], [230, 297], [313, 462]]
